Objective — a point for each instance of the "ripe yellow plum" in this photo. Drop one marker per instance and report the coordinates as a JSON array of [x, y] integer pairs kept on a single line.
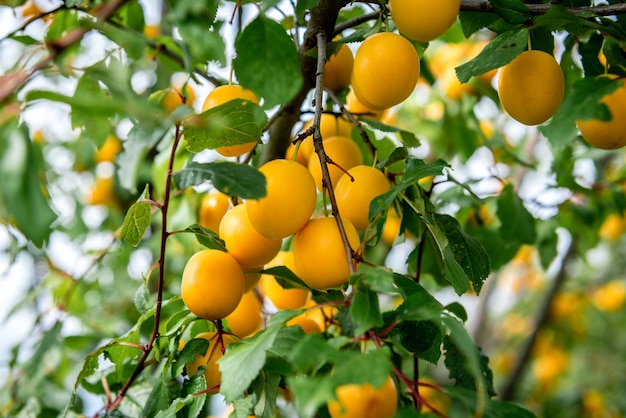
[[385, 72], [244, 242], [320, 255], [609, 134], [356, 190], [212, 284], [423, 20], [531, 87], [365, 401], [289, 202]]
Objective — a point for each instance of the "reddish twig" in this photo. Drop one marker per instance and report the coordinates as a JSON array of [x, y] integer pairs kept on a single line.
[[161, 281]]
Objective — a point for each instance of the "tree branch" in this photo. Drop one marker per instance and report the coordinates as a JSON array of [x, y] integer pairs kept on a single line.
[[11, 82], [539, 9], [319, 146], [509, 388]]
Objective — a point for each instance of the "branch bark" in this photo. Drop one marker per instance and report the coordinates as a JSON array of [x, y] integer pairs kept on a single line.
[[508, 390], [323, 19], [539, 9]]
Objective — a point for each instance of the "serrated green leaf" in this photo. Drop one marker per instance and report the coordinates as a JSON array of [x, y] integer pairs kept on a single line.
[[243, 360], [365, 310], [136, 222], [266, 390], [582, 102], [194, 347], [423, 338], [465, 251], [408, 138], [194, 385], [464, 360], [233, 179], [235, 122], [499, 52], [267, 61], [512, 11]]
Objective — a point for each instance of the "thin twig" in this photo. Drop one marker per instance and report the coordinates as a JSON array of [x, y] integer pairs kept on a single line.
[[539, 9], [352, 119], [161, 281], [319, 146]]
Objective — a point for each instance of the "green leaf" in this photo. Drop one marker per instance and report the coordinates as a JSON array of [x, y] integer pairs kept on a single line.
[[176, 406], [233, 179], [398, 154], [582, 102], [136, 148], [466, 251], [194, 347], [465, 362], [235, 122], [266, 389], [492, 409], [203, 44], [286, 278], [472, 22], [22, 199], [408, 138], [415, 170], [419, 305], [365, 310], [499, 52], [195, 384], [423, 338], [513, 11], [206, 237], [267, 61], [378, 279], [458, 310], [142, 299], [243, 360], [517, 224], [137, 220], [312, 391]]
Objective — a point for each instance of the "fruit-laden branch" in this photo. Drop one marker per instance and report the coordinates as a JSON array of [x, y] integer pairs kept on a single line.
[[11, 82], [319, 146], [539, 9]]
